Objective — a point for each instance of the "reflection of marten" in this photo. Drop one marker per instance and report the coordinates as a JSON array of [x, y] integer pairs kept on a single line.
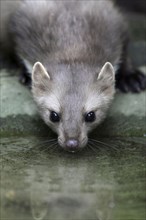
[[77, 47]]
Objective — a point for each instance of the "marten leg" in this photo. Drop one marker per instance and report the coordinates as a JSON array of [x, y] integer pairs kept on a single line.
[[129, 79], [25, 77], [11, 62]]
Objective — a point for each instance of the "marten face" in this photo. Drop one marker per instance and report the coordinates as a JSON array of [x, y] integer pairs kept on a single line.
[[73, 100]]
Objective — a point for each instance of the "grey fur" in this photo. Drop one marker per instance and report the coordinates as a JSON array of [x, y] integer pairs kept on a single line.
[[72, 40], [68, 31]]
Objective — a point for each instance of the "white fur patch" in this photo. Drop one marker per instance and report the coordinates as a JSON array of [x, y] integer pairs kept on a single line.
[[93, 102], [49, 102], [97, 101]]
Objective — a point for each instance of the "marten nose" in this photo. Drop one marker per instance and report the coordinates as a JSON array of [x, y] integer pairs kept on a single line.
[[72, 145]]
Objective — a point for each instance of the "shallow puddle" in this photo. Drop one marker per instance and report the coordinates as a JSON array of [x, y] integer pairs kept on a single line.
[[104, 182]]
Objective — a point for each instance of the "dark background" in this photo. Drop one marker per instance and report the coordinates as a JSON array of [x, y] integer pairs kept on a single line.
[[133, 5]]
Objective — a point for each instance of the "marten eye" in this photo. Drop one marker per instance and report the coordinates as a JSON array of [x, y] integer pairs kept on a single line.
[[90, 117], [54, 117]]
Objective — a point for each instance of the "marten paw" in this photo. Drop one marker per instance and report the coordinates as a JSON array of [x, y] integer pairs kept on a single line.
[[131, 82]]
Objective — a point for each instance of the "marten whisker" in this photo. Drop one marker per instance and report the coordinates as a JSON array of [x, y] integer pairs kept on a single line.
[[51, 148], [103, 143], [92, 148], [43, 143]]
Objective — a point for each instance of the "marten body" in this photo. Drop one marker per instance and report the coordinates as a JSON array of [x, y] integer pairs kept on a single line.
[[78, 48]]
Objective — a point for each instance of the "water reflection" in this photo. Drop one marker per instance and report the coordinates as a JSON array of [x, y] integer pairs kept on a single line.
[[72, 188], [41, 185]]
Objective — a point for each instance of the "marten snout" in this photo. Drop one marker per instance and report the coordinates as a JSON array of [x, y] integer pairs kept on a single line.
[[72, 145]]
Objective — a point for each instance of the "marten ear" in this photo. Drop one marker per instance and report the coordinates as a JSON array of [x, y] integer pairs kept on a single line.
[[107, 74], [39, 74]]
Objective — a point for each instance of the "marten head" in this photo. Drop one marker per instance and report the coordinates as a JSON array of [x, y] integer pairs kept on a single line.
[[73, 99]]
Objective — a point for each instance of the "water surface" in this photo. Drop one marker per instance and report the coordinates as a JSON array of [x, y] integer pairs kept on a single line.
[[40, 182]]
